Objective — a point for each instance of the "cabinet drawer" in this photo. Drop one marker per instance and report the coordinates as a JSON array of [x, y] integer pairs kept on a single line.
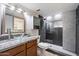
[[14, 51], [21, 54], [31, 43]]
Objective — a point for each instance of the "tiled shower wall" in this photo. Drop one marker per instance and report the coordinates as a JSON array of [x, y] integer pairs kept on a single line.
[[69, 31]]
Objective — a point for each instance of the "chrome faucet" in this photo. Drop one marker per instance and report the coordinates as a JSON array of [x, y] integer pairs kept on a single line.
[[9, 32]]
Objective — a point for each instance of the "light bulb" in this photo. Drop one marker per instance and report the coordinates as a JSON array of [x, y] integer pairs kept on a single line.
[[19, 10], [58, 16], [12, 8]]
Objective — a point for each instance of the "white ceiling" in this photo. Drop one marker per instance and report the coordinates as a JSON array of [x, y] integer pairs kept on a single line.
[[48, 9], [15, 13]]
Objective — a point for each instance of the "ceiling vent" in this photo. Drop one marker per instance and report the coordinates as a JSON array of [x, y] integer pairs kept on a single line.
[[38, 10]]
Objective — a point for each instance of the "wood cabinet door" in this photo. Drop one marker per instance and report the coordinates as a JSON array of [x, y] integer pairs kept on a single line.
[[21, 54], [13, 51], [32, 51]]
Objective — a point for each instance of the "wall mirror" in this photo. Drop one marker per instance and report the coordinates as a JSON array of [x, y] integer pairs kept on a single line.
[[14, 21]]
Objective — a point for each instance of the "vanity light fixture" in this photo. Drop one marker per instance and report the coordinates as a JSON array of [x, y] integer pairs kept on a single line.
[[19, 10], [12, 8]]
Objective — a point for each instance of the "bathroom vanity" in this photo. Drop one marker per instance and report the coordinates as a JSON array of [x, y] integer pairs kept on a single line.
[[25, 47], [13, 24]]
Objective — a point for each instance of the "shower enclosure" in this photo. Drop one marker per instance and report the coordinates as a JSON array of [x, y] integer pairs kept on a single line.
[[51, 32]]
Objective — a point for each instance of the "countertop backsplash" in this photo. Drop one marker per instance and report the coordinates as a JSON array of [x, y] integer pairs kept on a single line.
[[6, 36]]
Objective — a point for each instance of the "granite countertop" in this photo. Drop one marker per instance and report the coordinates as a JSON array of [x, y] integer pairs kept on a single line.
[[8, 44]]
